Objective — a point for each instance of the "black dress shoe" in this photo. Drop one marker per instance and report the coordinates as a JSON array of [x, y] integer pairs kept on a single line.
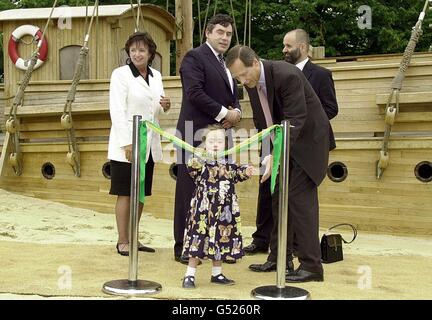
[[301, 275], [230, 261], [142, 247], [265, 267], [254, 248], [289, 268], [272, 266], [188, 282], [221, 279], [184, 260]]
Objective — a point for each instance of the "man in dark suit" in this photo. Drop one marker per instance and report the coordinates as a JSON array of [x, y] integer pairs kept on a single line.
[[296, 48], [279, 91], [209, 96]]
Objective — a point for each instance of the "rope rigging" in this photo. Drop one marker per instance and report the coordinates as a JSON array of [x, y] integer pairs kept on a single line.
[[248, 22], [201, 26], [73, 155], [12, 124], [392, 106], [139, 17], [214, 13]]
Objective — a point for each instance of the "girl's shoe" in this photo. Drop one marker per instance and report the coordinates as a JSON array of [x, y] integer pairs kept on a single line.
[[188, 282], [221, 279]]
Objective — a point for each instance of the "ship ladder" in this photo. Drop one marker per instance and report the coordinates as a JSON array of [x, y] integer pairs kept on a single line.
[[392, 106], [12, 124], [73, 155]]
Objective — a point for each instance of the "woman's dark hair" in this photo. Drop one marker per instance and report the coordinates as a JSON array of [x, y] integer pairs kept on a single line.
[[144, 37]]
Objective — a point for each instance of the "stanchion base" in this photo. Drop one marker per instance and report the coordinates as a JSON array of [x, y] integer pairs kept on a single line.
[[125, 287], [275, 293]]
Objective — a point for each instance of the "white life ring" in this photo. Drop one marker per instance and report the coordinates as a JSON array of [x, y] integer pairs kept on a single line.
[[16, 35]]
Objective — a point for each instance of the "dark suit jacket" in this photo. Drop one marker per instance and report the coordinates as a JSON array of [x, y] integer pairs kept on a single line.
[[321, 81], [291, 97], [205, 88]]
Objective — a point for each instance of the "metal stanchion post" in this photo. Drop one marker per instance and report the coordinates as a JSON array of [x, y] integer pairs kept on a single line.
[[280, 290], [133, 286]]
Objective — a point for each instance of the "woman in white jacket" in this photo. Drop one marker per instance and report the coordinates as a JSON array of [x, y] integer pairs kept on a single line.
[[135, 89]]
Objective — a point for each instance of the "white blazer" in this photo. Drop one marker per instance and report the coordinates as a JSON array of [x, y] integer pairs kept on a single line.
[[131, 96]]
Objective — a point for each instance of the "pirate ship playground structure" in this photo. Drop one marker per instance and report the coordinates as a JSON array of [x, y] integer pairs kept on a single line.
[[379, 176]]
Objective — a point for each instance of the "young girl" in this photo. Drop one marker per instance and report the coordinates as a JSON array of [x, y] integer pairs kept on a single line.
[[213, 227]]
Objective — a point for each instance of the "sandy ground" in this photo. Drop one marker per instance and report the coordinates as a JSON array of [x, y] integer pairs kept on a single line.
[[26, 219], [30, 220]]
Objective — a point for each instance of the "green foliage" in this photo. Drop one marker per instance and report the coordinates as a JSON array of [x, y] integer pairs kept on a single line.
[[6, 5], [332, 24]]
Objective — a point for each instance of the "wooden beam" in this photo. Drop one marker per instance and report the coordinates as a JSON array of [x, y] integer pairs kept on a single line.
[[184, 23], [4, 153], [408, 98]]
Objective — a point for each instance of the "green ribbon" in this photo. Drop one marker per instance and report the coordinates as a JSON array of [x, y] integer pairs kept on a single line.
[[277, 149], [142, 133]]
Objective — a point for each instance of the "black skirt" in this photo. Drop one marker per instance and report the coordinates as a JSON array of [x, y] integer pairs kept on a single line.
[[121, 177]]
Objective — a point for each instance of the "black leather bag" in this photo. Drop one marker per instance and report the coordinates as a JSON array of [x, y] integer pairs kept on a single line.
[[331, 244]]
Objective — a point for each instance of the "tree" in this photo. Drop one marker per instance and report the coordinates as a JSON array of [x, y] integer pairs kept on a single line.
[[333, 24]]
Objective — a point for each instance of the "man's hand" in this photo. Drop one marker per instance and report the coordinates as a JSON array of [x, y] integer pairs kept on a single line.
[[226, 124], [268, 162], [128, 152], [231, 118], [165, 103]]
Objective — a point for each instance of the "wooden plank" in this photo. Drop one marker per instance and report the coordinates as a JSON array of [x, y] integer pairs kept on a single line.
[[58, 109], [5, 153], [406, 97], [414, 117], [378, 126], [61, 134], [46, 124]]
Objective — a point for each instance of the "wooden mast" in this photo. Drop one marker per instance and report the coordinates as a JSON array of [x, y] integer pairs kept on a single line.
[[184, 22]]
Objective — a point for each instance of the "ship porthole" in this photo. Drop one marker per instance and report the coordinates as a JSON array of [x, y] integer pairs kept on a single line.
[[337, 171], [48, 170], [423, 171], [173, 171], [106, 170]]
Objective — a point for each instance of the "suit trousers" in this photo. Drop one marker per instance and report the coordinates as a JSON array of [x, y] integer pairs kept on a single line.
[[185, 188], [264, 218], [303, 220]]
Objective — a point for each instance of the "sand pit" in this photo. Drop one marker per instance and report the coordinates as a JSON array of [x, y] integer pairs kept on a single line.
[[38, 238]]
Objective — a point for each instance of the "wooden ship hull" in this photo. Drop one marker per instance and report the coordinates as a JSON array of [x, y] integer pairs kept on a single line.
[[400, 202]]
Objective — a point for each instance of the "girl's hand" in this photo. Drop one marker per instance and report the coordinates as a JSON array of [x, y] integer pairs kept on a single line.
[[250, 170]]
